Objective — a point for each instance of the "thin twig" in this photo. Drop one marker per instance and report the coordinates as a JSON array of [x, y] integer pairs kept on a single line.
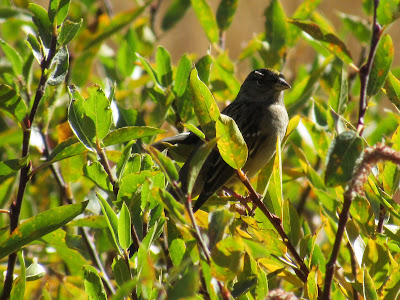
[[353, 270], [277, 223], [15, 207], [106, 165], [382, 213], [366, 69], [371, 157], [84, 232]]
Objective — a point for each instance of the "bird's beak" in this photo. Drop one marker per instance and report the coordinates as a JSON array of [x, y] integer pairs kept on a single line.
[[282, 85]]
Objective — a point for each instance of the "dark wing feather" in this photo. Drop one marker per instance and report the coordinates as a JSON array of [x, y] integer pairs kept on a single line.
[[218, 172]]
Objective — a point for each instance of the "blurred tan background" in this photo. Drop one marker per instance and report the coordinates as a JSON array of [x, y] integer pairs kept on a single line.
[[188, 36]]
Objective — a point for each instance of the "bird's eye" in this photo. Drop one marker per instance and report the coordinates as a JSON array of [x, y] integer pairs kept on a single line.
[[260, 83]]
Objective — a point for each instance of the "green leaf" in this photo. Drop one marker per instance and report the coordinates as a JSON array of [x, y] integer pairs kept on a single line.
[[182, 75], [291, 222], [131, 183], [197, 162], [382, 62], [42, 22], [13, 56], [129, 133], [206, 18], [35, 47], [11, 166], [35, 271], [173, 207], [40, 225], [388, 11], [164, 67], [342, 155], [206, 109], [312, 284], [19, 285], [369, 289], [391, 287], [275, 33], [124, 227], [12, 102], [174, 14], [165, 164], [392, 89], [220, 220], [355, 239], [328, 39], [58, 11], [195, 130], [89, 119], [68, 148], [112, 220], [228, 258], [96, 173], [203, 67], [357, 26], [152, 73], [93, 284], [187, 285], [231, 144], [60, 64], [120, 271], [125, 290], [339, 93], [69, 30], [225, 12]]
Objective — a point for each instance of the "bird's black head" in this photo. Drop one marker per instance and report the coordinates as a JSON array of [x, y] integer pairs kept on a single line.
[[268, 79], [263, 84]]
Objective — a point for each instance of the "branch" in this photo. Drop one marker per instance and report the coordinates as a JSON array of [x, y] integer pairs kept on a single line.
[[90, 246], [15, 207], [371, 157], [188, 205], [303, 271], [366, 69]]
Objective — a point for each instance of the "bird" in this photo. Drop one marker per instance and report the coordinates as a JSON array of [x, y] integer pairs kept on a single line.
[[260, 114]]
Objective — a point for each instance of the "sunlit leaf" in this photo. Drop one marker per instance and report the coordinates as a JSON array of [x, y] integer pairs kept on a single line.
[[231, 144], [90, 119], [13, 56], [164, 68], [69, 30], [59, 65], [124, 227], [204, 104], [175, 13], [58, 10], [206, 18], [225, 12], [382, 62], [12, 102], [392, 89], [40, 225], [327, 39], [388, 11], [93, 284], [182, 75], [343, 153], [130, 133]]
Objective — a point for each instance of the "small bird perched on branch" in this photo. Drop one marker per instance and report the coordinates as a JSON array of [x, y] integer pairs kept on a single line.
[[260, 114]]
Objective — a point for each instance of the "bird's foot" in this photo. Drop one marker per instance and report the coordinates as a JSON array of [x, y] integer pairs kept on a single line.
[[244, 202]]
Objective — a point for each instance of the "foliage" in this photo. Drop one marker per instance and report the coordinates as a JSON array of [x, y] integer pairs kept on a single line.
[[86, 212]]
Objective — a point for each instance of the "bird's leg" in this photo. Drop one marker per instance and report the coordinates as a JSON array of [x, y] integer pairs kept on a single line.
[[244, 200]]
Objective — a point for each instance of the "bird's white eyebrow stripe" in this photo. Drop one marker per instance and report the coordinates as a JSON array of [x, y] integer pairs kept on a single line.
[[259, 73]]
